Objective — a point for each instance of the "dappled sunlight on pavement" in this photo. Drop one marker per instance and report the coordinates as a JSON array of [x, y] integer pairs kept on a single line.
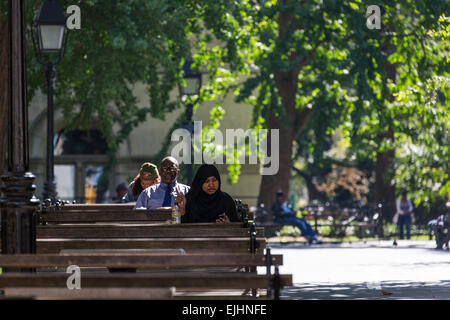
[[384, 290], [371, 270]]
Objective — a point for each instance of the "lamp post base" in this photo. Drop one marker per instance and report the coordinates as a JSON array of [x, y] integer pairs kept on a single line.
[[18, 214]]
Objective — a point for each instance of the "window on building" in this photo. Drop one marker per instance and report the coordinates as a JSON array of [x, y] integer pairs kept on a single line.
[[80, 157]]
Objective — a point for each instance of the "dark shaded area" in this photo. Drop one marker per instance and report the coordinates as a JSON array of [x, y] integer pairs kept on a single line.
[[83, 142]]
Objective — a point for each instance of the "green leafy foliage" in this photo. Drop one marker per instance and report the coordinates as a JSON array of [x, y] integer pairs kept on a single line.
[[119, 45], [312, 64], [352, 78]]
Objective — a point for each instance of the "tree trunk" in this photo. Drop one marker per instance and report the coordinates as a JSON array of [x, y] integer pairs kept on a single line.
[[4, 48], [287, 85], [270, 184], [385, 192], [313, 193], [287, 88]]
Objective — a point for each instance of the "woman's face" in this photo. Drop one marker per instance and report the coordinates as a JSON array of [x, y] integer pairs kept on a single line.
[[148, 183], [211, 185]]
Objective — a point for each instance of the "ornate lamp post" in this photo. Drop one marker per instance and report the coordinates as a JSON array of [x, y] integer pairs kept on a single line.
[[49, 36], [193, 80], [18, 205]]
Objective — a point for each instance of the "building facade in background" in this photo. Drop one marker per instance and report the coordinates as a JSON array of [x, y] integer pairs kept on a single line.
[[80, 155]]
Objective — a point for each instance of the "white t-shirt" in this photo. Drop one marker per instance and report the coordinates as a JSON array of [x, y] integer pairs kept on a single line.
[[404, 207]]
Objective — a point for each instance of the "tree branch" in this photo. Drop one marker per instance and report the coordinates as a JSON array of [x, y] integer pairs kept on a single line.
[[421, 44], [309, 58], [301, 118], [301, 173]]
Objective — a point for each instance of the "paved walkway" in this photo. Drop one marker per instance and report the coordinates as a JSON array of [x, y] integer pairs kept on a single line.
[[371, 270]]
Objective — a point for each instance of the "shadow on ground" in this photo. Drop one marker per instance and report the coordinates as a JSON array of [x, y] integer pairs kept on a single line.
[[412, 244], [385, 290]]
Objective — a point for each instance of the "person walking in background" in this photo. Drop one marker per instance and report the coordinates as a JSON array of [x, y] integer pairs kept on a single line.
[[285, 216], [404, 215], [148, 176]]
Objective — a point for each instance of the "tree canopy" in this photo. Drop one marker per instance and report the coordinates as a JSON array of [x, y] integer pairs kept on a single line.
[[309, 68], [317, 63]]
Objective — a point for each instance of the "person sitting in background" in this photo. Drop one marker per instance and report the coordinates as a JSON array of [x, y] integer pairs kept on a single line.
[[165, 193], [205, 202], [285, 216], [440, 227], [148, 176], [121, 191]]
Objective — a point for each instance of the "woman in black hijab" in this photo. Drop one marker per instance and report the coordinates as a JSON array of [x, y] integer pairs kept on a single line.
[[205, 202]]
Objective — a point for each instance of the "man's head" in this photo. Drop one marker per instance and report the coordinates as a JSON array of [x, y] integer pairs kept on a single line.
[[121, 190], [404, 194], [280, 195], [169, 170]]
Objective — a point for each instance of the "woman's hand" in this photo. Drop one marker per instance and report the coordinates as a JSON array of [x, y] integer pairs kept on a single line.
[[223, 220]]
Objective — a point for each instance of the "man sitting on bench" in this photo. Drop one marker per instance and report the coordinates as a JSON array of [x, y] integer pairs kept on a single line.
[[163, 194], [285, 216]]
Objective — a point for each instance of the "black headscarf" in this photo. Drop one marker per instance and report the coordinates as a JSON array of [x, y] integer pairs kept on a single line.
[[202, 207]]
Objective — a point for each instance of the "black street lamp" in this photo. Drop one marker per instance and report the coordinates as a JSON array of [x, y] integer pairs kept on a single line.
[[49, 36], [193, 80], [18, 204]]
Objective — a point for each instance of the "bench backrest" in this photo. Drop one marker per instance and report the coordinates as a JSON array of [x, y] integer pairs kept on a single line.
[[91, 207], [136, 260], [145, 231], [116, 212], [82, 216]]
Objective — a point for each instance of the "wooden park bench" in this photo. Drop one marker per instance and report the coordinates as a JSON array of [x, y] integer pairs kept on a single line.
[[164, 282], [105, 227], [100, 213], [139, 229], [339, 219], [266, 219], [168, 280], [88, 207], [119, 240], [106, 207], [204, 237], [104, 216]]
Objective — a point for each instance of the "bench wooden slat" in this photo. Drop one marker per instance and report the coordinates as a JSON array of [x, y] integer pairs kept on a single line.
[[237, 280], [143, 231], [198, 244], [123, 215], [108, 207], [98, 252], [90, 293], [93, 207], [136, 261], [158, 224]]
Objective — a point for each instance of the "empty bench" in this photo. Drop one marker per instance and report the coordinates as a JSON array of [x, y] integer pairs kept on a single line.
[[163, 282]]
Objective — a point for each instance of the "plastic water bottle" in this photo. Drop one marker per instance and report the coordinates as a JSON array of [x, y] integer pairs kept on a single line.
[[176, 217]]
